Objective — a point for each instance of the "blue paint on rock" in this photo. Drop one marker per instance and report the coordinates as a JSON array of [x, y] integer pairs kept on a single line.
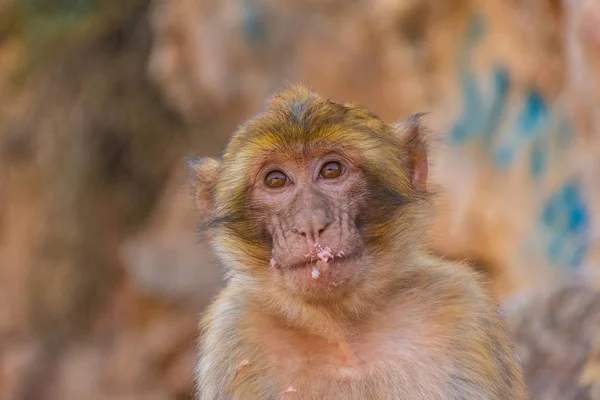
[[566, 222]]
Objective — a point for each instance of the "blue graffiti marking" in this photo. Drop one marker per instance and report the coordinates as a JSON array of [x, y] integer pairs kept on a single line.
[[533, 116], [530, 124], [498, 104], [468, 122], [479, 118], [565, 220], [536, 130]]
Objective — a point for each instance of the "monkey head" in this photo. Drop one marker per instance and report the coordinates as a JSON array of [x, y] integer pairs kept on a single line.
[[311, 196]]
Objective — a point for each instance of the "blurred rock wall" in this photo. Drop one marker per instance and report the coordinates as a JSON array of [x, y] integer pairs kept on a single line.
[[522, 153], [102, 274]]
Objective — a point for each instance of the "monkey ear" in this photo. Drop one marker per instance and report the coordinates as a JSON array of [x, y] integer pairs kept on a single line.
[[204, 172], [412, 135]]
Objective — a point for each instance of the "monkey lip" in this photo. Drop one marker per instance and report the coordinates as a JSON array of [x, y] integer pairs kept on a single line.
[[311, 263], [319, 276], [302, 264], [316, 256]]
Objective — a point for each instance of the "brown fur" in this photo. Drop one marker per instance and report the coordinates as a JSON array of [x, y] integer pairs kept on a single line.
[[382, 319]]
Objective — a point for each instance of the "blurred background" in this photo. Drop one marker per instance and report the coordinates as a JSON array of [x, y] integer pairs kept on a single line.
[[102, 273]]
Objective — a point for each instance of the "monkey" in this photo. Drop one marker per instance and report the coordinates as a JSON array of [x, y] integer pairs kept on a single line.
[[318, 211]]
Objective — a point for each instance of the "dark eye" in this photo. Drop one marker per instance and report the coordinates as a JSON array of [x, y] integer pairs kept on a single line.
[[331, 170], [275, 179]]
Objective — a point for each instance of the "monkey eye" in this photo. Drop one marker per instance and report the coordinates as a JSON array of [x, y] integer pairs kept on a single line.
[[331, 170], [275, 179]]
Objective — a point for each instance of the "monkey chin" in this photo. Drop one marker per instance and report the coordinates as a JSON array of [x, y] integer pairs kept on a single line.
[[320, 278]]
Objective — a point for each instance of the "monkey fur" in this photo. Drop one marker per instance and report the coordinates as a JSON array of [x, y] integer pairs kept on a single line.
[[318, 211]]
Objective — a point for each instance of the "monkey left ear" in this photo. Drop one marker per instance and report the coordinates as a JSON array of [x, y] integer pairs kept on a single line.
[[412, 135], [204, 173]]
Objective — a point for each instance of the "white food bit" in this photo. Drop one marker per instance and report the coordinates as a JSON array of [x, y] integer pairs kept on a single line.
[[315, 272], [324, 254], [290, 390], [340, 253]]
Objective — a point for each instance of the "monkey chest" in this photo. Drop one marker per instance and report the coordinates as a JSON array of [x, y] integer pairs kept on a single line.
[[384, 366]]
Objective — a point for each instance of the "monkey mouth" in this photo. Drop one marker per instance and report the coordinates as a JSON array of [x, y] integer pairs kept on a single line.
[[320, 270], [303, 264], [320, 259]]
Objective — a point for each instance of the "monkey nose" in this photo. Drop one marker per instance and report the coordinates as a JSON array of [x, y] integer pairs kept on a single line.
[[311, 227]]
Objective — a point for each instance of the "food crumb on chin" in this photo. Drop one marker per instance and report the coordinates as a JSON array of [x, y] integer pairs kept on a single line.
[[324, 254], [315, 272]]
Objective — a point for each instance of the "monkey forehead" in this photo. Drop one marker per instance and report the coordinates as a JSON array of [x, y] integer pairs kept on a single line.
[[297, 137], [307, 126], [298, 119]]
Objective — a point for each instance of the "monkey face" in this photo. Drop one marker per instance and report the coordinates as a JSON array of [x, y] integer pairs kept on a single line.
[[309, 210], [310, 192]]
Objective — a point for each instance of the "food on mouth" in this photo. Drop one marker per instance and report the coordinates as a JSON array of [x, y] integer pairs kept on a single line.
[[315, 272], [323, 255]]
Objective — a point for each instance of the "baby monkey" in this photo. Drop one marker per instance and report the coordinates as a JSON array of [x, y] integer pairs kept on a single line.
[[318, 212]]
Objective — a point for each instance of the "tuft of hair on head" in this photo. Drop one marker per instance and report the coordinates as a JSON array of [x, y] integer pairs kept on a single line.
[[291, 92]]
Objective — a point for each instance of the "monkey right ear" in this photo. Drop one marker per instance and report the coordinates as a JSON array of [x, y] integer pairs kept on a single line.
[[204, 172], [412, 134]]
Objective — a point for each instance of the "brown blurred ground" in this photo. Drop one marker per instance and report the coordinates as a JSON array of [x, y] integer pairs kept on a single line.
[[102, 275]]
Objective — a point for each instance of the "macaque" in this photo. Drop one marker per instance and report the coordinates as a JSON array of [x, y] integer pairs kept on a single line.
[[318, 211]]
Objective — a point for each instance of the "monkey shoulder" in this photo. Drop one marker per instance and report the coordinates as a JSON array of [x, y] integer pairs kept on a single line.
[[463, 323], [451, 291]]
